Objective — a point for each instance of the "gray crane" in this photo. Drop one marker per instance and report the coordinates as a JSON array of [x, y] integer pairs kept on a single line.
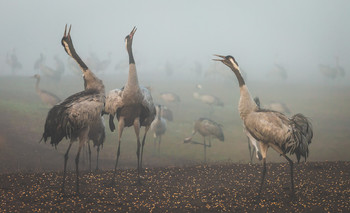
[[97, 135], [132, 105], [170, 97], [46, 97], [158, 126], [206, 128], [52, 73], [270, 128], [13, 62], [76, 116]]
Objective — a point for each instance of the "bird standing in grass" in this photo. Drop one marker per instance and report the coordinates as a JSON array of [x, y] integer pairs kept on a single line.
[[270, 128], [76, 116], [206, 128], [158, 126], [133, 105], [46, 97]]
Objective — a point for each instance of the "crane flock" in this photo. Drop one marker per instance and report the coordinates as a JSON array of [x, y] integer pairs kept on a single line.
[[80, 116]]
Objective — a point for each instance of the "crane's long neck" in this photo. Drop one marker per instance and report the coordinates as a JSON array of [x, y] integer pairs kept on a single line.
[[246, 104], [132, 78], [158, 113]]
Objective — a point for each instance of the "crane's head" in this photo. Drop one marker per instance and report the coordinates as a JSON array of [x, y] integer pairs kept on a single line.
[[67, 40], [228, 61], [129, 38]]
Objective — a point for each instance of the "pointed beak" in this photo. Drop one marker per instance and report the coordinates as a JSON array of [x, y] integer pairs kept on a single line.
[[132, 32], [217, 59]]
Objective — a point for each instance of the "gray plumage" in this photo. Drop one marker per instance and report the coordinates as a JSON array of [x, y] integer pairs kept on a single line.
[[133, 106], [75, 117], [46, 97], [158, 126], [208, 99], [166, 113], [270, 128], [206, 128], [97, 135]]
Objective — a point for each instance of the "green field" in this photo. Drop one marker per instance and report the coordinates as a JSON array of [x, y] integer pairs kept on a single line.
[[22, 118]]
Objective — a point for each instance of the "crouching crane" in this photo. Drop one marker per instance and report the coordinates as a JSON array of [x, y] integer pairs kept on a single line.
[[270, 128]]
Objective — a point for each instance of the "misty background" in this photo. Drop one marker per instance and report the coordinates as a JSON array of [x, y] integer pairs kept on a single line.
[[299, 35], [287, 51]]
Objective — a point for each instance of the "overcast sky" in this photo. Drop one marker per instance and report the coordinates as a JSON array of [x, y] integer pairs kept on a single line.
[[299, 35]]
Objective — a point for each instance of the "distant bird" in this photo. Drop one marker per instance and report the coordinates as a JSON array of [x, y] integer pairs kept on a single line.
[[97, 64], [332, 72], [52, 73], [76, 117], [46, 97], [211, 100], [170, 97], [206, 128], [158, 126], [166, 113], [97, 135], [270, 128], [13, 62], [278, 71], [133, 106]]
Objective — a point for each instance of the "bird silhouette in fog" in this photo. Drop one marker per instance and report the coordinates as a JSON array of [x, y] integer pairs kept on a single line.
[[270, 128], [158, 126], [206, 128], [13, 62], [133, 105], [75, 118], [52, 73], [46, 97]]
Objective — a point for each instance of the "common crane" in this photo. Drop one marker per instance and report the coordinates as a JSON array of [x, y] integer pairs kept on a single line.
[[133, 106], [158, 126], [46, 97], [76, 116], [206, 128], [270, 128]]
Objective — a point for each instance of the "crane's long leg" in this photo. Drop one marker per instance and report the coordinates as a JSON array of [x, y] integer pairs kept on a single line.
[[89, 156], [205, 150], [98, 154], [65, 165], [143, 144], [160, 140], [82, 140], [137, 132], [279, 150], [264, 148], [120, 132]]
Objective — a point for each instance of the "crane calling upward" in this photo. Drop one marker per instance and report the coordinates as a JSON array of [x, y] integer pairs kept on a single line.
[[76, 116], [133, 105], [270, 128], [46, 97]]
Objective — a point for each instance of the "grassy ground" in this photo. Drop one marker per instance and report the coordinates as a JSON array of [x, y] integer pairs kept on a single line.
[[23, 116]]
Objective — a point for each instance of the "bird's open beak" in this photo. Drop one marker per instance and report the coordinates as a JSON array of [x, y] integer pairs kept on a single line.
[[217, 59], [132, 32]]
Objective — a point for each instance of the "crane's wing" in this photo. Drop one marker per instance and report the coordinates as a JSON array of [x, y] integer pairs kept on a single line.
[[113, 102], [147, 103], [213, 128], [268, 126]]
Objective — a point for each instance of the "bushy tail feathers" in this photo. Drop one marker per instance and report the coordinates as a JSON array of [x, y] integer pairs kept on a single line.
[[302, 136]]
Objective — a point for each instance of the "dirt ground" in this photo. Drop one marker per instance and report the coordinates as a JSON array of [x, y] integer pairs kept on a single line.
[[320, 187]]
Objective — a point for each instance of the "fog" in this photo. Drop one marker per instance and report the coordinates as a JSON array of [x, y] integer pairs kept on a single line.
[[298, 35], [287, 52]]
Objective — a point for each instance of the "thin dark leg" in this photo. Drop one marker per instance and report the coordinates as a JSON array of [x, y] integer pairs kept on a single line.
[[160, 139], [205, 150], [77, 165], [116, 163], [98, 154], [65, 165], [120, 132], [291, 171], [143, 144], [263, 176], [89, 156]]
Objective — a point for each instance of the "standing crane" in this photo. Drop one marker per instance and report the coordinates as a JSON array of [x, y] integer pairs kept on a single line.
[[158, 126], [46, 97], [97, 135], [76, 116], [13, 62], [52, 73], [133, 105], [206, 128], [270, 128]]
